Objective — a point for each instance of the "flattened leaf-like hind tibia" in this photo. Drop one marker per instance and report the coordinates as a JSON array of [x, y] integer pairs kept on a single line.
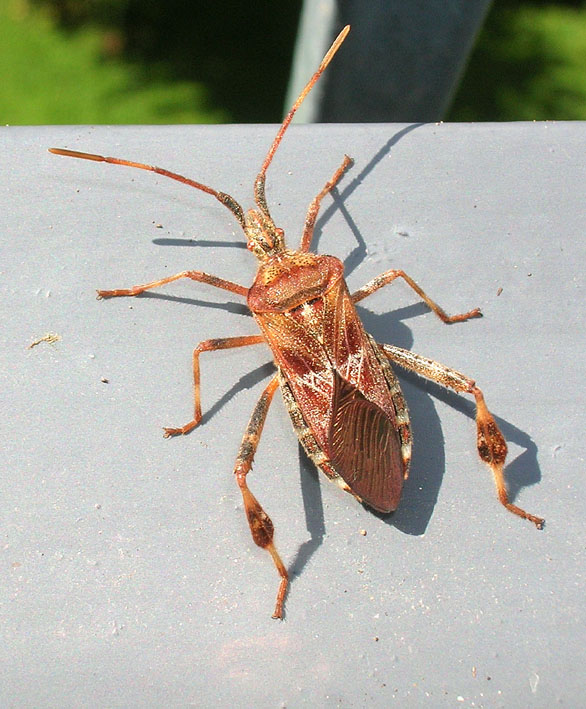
[[365, 448]]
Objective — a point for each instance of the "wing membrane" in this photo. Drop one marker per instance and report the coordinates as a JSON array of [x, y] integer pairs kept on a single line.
[[365, 448]]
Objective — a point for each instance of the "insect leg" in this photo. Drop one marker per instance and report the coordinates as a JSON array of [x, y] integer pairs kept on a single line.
[[260, 523], [194, 275], [223, 343], [315, 204], [389, 276], [492, 446]]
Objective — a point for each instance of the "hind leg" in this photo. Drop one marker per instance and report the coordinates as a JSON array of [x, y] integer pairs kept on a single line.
[[492, 447]]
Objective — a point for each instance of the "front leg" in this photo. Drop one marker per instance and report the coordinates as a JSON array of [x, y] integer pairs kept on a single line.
[[491, 443], [389, 276], [313, 210], [193, 275]]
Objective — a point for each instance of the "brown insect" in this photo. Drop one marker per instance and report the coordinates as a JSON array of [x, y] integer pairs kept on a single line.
[[341, 393]]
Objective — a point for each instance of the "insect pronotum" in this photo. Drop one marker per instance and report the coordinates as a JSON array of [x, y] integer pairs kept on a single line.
[[341, 393]]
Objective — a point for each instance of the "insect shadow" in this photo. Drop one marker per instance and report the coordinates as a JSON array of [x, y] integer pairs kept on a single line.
[[230, 307], [339, 195], [166, 241]]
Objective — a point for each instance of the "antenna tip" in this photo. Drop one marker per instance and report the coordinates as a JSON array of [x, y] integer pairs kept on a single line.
[[342, 36]]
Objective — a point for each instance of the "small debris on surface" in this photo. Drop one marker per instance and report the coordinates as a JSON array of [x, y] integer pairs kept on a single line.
[[50, 337]]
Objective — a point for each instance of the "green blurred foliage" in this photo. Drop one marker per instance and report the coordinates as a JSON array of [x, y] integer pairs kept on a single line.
[[241, 52], [50, 76], [529, 64]]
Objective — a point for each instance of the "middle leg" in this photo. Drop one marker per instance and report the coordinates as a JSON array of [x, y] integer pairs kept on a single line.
[[389, 276], [222, 343]]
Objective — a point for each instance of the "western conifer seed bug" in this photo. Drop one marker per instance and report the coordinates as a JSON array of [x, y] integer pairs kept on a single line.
[[341, 393]]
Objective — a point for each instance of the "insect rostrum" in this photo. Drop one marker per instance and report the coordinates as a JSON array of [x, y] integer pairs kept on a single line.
[[338, 385]]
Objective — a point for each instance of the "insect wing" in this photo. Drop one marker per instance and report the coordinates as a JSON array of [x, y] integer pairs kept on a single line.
[[338, 384], [364, 444], [304, 363], [364, 447]]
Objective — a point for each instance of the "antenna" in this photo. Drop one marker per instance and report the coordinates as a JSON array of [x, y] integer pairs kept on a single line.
[[259, 184]]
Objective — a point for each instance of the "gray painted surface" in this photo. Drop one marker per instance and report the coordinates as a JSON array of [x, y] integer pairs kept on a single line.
[[129, 576]]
